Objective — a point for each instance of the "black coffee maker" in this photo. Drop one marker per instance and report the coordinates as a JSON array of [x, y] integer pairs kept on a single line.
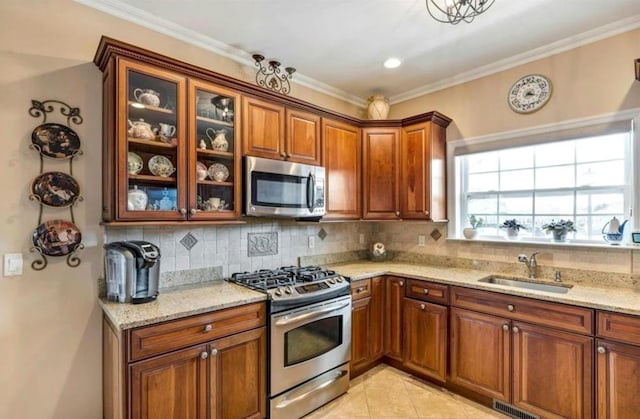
[[132, 271]]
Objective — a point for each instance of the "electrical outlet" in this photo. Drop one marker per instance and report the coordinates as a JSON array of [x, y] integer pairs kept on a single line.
[[361, 238], [422, 240], [13, 264], [312, 242]]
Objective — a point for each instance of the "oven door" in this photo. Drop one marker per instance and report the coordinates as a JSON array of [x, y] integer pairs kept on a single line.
[[308, 341]]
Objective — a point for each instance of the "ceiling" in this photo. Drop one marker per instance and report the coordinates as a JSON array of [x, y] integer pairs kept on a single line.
[[338, 46]]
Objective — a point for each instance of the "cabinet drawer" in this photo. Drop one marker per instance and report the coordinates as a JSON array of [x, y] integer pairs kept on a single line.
[[361, 289], [560, 316], [427, 291], [176, 334], [622, 327]]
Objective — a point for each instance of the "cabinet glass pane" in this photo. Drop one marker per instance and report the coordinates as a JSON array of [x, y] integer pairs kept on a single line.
[[152, 138], [214, 137]]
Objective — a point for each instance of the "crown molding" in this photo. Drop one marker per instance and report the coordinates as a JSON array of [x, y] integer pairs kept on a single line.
[[141, 18], [597, 34]]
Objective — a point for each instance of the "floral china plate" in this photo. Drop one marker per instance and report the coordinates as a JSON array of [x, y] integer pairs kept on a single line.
[[161, 166], [218, 172], [201, 170], [134, 163]]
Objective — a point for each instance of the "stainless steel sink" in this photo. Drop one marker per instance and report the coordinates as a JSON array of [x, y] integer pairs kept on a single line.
[[527, 284]]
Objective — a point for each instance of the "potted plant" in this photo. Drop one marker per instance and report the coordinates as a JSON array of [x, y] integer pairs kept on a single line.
[[513, 227], [559, 229], [471, 232]]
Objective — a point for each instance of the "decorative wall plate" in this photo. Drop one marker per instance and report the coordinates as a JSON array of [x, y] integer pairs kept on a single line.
[[530, 93], [218, 172], [57, 237], [56, 141], [161, 166], [134, 163], [55, 189]]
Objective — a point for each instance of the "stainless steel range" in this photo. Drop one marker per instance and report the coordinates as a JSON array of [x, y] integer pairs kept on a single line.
[[310, 336]]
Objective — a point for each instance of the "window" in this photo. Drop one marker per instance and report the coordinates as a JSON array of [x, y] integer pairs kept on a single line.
[[587, 179]]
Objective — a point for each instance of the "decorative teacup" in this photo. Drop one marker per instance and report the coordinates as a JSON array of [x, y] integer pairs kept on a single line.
[[214, 204]]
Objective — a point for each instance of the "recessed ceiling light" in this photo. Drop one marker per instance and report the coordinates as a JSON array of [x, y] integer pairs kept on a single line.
[[392, 62]]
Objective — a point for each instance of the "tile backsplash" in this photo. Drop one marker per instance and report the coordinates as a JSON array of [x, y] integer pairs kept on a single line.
[[228, 246]]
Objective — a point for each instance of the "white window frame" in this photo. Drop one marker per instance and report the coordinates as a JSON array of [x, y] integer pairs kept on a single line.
[[524, 136]]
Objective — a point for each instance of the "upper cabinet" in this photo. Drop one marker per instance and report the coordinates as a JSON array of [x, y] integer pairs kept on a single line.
[[342, 161], [381, 173], [273, 132], [637, 69], [170, 145]]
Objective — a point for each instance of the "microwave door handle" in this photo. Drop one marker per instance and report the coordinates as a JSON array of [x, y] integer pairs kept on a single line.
[[311, 191]]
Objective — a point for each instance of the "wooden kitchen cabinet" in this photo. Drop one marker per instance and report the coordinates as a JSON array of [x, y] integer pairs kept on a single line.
[[381, 173], [367, 318], [394, 297], [533, 365], [170, 144], [273, 132], [204, 366], [425, 338], [617, 365], [423, 172], [342, 160]]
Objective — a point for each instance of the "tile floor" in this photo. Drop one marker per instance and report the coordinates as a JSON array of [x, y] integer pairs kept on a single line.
[[385, 392]]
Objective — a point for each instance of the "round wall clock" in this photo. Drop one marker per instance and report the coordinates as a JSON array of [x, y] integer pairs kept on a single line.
[[530, 93]]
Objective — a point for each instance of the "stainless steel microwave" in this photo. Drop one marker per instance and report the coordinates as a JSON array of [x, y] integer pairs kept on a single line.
[[275, 188]]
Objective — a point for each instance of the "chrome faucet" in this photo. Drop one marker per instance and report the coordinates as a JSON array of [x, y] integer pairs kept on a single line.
[[532, 264]]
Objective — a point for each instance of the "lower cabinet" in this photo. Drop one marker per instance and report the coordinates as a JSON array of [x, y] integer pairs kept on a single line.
[[148, 373], [425, 338], [394, 296], [366, 324], [618, 380]]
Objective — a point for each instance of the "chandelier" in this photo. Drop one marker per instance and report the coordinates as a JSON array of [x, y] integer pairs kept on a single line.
[[271, 75], [456, 11]]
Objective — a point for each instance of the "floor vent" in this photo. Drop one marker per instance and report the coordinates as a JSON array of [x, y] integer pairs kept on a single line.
[[512, 411]]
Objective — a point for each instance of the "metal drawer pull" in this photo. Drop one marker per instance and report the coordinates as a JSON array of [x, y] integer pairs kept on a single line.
[[422, 306], [316, 313], [505, 327], [401, 283], [360, 289], [426, 291], [601, 350], [214, 352], [336, 377], [511, 307], [515, 329], [204, 355], [208, 328]]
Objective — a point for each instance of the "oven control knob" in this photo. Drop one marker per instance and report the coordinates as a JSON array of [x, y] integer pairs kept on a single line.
[[339, 279], [332, 281], [278, 292], [287, 290]]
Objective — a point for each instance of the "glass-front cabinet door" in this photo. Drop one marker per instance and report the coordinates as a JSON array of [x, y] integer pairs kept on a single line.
[[151, 143], [214, 150]]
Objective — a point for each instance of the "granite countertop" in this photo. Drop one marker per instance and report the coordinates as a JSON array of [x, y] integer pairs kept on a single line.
[[180, 302], [618, 299]]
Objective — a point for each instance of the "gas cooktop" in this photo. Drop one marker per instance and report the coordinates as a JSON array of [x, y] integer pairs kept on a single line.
[[291, 283]]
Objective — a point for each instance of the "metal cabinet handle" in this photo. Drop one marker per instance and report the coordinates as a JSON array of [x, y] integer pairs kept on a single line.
[[401, 283], [214, 352], [426, 291], [505, 327], [283, 154], [426, 212], [422, 306], [204, 355], [208, 328], [511, 307], [359, 290], [193, 211], [601, 350], [288, 155], [515, 329], [183, 211], [397, 213]]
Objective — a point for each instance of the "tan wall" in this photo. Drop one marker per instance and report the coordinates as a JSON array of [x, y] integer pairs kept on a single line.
[[591, 80]]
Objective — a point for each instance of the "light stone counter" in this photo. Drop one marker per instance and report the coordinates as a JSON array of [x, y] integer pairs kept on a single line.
[[182, 302], [619, 299]]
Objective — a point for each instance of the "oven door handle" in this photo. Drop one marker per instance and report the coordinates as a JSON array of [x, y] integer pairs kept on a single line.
[[336, 377], [310, 315]]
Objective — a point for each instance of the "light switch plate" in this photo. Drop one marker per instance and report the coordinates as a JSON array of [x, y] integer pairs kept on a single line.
[[13, 264], [312, 242], [422, 240]]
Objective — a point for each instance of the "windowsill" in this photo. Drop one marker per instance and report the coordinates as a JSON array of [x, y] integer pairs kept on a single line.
[[542, 243]]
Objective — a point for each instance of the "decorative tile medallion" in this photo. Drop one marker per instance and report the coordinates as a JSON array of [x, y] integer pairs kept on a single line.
[[322, 234], [262, 244], [435, 234], [188, 241]]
